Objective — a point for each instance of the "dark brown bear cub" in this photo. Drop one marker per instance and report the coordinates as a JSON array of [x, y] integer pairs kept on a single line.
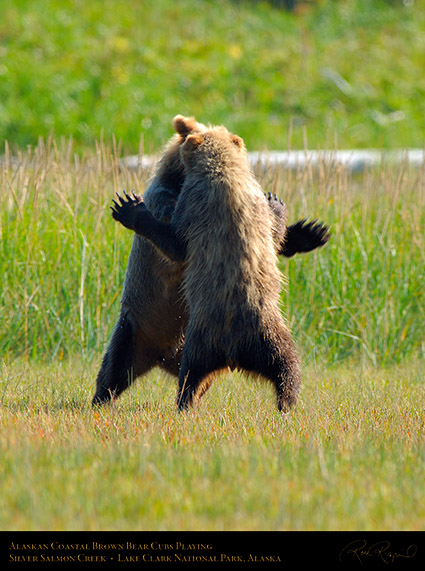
[[152, 321], [223, 227]]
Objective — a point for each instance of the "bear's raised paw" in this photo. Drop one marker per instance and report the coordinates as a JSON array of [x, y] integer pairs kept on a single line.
[[126, 209]]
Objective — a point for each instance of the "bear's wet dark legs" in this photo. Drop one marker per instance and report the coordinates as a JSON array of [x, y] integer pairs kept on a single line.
[[196, 377], [278, 362], [286, 378], [119, 368], [172, 364]]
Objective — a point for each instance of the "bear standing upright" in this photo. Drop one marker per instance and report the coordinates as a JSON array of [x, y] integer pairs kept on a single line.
[[150, 328], [222, 227]]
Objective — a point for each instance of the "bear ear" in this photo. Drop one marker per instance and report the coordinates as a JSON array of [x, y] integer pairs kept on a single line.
[[237, 141], [184, 125], [194, 141]]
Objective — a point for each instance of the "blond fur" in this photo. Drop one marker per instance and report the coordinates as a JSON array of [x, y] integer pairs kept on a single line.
[[231, 282]]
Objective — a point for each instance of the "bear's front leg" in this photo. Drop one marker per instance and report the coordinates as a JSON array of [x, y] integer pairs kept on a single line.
[[129, 210], [304, 236], [132, 213]]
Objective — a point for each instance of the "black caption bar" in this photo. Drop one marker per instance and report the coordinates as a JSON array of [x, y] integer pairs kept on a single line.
[[31, 551]]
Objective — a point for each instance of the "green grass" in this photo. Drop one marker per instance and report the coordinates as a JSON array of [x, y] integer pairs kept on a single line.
[[351, 456], [62, 257], [346, 70]]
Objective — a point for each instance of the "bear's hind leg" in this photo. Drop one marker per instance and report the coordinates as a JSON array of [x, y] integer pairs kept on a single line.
[[286, 379], [172, 365], [284, 372], [195, 378], [119, 368], [277, 360]]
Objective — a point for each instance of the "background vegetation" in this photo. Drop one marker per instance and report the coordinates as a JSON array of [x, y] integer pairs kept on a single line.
[[348, 69], [63, 258], [352, 454]]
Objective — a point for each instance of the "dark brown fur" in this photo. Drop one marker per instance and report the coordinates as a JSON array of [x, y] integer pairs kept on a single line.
[[150, 329], [231, 282]]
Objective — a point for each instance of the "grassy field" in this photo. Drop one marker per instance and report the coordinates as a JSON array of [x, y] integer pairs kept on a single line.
[[332, 74], [348, 69], [350, 456]]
